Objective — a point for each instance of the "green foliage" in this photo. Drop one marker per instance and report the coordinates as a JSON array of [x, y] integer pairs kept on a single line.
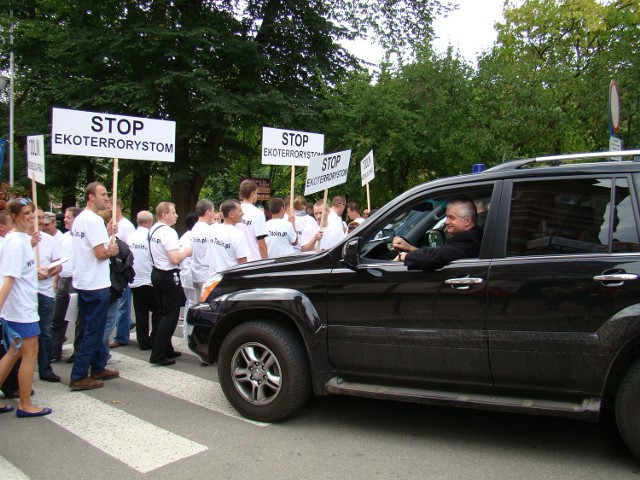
[[223, 70]]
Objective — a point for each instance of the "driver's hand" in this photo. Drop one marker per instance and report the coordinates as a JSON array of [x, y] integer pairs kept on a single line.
[[400, 244]]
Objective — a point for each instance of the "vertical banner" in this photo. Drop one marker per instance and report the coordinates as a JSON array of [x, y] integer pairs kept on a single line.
[[368, 173], [367, 168], [35, 158], [35, 171]]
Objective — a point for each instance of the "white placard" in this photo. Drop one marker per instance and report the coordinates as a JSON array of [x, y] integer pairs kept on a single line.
[[290, 147], [327, 171], [367, 168], [35, 158], [76, 132]]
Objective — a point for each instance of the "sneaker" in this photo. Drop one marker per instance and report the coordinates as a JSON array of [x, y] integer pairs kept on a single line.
[[112, 361], [105, 374], [86, 383]]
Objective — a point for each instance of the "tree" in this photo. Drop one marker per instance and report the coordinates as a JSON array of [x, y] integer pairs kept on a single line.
[[416, 118], [543, 88], [216, 68]]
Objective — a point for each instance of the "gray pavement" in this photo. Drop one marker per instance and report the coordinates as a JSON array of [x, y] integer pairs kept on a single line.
[[173, 422]]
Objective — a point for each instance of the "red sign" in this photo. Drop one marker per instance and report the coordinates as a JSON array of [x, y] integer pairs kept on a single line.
[[264, 188]]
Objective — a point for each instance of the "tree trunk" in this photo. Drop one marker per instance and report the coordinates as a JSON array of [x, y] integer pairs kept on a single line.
[[185, 195], [140, 194]]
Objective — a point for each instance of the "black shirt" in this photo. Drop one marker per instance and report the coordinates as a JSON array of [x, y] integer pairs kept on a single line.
[[462, 245]]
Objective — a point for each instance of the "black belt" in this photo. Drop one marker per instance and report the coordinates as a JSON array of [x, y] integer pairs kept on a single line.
[[175, 270]]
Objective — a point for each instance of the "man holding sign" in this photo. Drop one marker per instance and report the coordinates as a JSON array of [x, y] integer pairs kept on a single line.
[[91, 251]]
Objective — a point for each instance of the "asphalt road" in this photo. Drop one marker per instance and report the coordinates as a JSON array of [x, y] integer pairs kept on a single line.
[[173, 422]]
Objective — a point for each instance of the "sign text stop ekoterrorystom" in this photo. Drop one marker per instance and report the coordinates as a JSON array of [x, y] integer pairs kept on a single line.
[[90, 134], [327, 171]]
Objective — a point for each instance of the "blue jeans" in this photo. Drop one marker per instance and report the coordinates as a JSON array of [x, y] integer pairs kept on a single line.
[[45, 312], [93, 306], [123, 320], [112, 314]]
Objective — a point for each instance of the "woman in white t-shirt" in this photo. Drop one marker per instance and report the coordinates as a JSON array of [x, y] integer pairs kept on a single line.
[[19, 306]]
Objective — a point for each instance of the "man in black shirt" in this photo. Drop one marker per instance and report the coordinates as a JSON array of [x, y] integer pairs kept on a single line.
[[466, 236]]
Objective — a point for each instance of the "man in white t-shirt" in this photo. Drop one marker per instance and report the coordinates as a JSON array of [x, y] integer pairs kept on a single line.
[[92, 249], [253, 224], [228, 244], [315, 238], [338, 205], [48, 252], [282, 233], [63, 290], [201, 245], [123, 318], [144, 297], [50, 225], [302, 220], [166, 255]]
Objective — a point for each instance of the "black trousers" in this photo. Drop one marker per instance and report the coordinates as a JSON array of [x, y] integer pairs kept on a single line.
[[58, 323], [145, 302], [170, 298]]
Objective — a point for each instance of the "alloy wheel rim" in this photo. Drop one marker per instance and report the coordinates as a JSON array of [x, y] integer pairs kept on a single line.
[[256, 373]]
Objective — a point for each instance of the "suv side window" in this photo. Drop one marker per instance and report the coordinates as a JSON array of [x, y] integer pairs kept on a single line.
[[575, 216], [415, 222]]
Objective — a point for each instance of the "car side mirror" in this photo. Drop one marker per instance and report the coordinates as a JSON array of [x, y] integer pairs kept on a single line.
[[351, 253], [435, 238]]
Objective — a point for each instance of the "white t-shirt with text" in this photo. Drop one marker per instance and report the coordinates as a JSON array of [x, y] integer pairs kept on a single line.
[[89, 273], [200, 237], [139, 246], [253, 226], [49, 252], [331, 235], [228, 244], [163, 239], [18, 260], [281, 236]]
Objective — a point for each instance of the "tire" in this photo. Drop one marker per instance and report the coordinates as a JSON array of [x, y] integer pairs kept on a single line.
[[264, 371], [628, 408]]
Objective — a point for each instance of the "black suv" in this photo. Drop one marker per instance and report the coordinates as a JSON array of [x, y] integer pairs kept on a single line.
[[545, 321]]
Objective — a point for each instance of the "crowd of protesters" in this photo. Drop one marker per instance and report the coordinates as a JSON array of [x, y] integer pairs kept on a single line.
[[102, 265]]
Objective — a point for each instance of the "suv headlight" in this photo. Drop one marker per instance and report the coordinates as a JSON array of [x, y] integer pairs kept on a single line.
[[209, 286]]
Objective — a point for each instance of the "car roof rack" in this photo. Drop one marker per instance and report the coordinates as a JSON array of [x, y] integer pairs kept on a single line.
[[561, 159]]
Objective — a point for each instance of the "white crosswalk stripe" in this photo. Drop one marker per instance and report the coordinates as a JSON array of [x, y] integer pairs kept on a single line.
[[190, 388], [9, 472], [139, 444]]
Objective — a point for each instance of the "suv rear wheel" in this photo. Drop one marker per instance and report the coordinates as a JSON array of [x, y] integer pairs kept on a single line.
[[263, 371], [628, 408]]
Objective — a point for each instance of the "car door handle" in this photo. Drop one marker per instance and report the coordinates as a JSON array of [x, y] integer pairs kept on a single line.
[[617, 279], [463, 283]]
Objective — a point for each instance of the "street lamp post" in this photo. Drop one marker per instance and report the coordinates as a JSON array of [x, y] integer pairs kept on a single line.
[[11, 99]]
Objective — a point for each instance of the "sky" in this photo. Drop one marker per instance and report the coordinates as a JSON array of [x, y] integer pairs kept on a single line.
[[468, 29]]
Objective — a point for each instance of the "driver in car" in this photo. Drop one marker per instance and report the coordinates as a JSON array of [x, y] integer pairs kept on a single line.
[[464, 241]]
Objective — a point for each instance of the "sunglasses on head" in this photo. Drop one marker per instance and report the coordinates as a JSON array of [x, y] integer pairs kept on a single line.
[[24, 201]]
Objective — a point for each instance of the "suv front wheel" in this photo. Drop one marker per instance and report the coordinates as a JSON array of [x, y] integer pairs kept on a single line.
[[263, 371]]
